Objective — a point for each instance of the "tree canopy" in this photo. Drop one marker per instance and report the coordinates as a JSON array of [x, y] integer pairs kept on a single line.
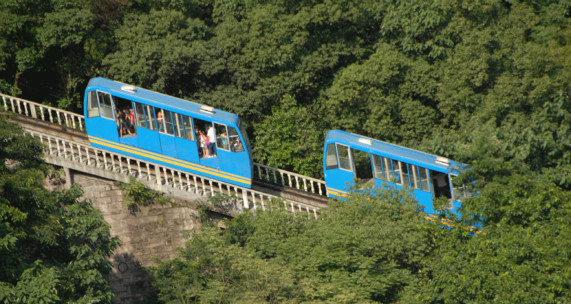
[[53, 245]]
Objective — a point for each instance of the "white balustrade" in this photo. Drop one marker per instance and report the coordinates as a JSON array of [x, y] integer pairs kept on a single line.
[[85, 155], [289, 179], [76, 121], [39, 111]]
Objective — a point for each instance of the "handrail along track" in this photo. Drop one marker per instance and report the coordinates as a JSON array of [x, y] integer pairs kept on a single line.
[[89, 156]]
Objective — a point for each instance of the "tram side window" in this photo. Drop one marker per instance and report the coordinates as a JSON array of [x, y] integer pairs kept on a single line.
[[397, 171], [92, 107], [140, 115], [145, 116], [387, 167], [188, 133], [414, 178], [405, 174], [424, 179], [182, 126], [460, 192], [235, 142], [378, 167], [164, 121], [344, 157], [150, 116], [177, 123], [105, 105], [221, 137], [331, 157]]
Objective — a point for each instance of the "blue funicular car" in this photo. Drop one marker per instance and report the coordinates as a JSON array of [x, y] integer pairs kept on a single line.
[[350, 157], [164, 129]]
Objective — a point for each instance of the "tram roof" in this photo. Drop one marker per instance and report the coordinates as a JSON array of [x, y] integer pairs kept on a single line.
[[395, 152], [159, 99]]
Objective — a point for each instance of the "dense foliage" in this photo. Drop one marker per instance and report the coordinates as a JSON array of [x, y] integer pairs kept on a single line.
[[356, 252], [485, 82], [53, 245]]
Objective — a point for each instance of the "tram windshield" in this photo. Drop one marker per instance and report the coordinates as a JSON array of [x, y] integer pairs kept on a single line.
[[244, 135]]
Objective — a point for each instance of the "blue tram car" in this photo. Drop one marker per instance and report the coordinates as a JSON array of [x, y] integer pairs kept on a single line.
[[167, 130], [349, 159]]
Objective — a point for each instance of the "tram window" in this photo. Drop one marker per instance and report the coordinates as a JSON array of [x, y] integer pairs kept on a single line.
[[405, 174], [344, 157], [242, 129], [150, 116], [140, 115], [164, 121], [387, 167], [378, 167], [414, 179], [424, 180], [235, 142], [188, 134], [221, 137], [397, 171], [460, 192], [105, 105], [331, 157], [92, 107], [177, 123], [160, 120]]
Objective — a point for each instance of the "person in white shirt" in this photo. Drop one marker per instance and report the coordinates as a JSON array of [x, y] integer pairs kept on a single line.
[[212, 139]]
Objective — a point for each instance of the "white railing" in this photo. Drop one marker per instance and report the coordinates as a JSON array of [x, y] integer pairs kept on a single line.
[[84, 155], [43, 112], [290, 179], [76, 121]]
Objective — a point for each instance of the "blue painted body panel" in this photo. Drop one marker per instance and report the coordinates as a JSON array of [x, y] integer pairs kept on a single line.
[[339, 181], [171, 151]]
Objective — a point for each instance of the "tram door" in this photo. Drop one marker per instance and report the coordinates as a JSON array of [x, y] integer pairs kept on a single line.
[[206, 145], [184, 138], [363, 168], [125, 119], [147, 128], [166, 132]]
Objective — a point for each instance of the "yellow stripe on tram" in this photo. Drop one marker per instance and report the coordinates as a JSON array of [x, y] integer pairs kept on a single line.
[[170, 160], [337, 192], [429, 217]]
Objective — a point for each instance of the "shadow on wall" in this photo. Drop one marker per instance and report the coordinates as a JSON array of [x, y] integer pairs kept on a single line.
[[130, 281]]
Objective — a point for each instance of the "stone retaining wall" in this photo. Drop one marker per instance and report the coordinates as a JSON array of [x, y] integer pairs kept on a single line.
[[150, 232]]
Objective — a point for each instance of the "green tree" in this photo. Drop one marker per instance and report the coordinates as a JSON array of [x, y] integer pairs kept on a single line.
[[157, 50], [49, 49], [388, 96], [53, 245], [290, 139], [367, 249], [522, 258]]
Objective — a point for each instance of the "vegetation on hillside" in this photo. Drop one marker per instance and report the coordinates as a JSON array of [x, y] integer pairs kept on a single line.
[[485, 82], [54, 246]]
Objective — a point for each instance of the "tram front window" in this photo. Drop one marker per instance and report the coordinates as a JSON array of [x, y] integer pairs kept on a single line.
[[461, 192]]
